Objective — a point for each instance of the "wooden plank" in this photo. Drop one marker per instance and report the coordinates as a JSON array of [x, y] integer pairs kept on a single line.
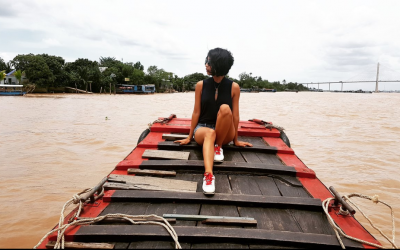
[[226, 166], [170, 145], [170, 208], [121, 220], [310, 221], [219, 199], [165, 154], [250, 157], [131, 208], [236, 222], [267, 218], [219, 246], [157, 245], [197, 234], [148, 172], [173, 137], [193, 217], [269, 158], [82, 245], [235, 156], [149, 183]]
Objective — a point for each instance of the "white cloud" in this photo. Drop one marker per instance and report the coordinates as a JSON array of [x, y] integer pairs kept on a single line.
[[300, 41]]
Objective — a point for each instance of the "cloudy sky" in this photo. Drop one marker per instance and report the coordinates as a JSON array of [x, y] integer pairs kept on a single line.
[[299, 41]]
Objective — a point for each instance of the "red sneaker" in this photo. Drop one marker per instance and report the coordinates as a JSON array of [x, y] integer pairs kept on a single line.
[[218, 154], [208, 184]]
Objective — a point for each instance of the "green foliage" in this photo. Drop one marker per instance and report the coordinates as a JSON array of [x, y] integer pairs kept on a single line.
[[137, 77], [138, 66], [2, 75], [52, 71], [2, 64], [55, 64], [36, 69], [18, 75]]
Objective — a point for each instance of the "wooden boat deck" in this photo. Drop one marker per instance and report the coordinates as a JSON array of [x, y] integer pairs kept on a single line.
[[252, 182]]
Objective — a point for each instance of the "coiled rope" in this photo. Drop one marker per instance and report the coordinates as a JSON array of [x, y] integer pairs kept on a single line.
[[375, 199], [131, 218]]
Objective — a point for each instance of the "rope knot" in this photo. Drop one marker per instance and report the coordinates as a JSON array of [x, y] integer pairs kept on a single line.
[[76, 198], [375, 199]]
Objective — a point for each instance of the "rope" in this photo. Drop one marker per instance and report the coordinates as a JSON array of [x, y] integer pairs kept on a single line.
[[131, 218], [325, 205], [271, 126]]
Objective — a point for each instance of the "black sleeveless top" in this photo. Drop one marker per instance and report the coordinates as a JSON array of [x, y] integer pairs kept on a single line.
[[210, 106]]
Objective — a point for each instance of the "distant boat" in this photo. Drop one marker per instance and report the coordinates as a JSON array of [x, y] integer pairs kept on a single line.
[[135, 89], [11, 90], [250, 90], [268, 90]]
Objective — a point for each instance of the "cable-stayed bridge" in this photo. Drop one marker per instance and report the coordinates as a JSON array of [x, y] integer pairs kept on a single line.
[[377, 81]]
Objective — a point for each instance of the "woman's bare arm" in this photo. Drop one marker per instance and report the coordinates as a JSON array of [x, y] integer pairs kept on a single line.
[[235, 113], [196, 113]]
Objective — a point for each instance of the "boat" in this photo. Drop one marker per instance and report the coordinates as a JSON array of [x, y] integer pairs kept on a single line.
[[135, 89], [268, 90], [11, 90], [266, 197]]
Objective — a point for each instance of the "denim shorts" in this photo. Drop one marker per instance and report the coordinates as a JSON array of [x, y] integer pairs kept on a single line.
[[201, 125]]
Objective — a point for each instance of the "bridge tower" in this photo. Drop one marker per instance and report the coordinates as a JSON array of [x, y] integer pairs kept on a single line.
[[377, 78]]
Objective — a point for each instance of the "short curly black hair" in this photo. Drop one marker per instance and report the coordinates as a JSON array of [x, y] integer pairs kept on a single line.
[[221, 61]]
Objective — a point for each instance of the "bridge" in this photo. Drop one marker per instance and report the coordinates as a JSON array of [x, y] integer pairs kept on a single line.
[[377, 81]]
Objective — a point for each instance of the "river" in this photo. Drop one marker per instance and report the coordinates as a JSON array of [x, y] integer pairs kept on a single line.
[[54, 146]]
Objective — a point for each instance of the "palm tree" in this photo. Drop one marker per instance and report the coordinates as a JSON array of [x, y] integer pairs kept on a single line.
[[2, 75], [18, 75]]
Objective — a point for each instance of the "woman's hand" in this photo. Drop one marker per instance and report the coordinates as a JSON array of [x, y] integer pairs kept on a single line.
[[242, 144], [184, 141]]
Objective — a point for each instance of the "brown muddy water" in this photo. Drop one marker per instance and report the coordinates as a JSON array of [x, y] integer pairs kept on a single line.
[[54, 146]]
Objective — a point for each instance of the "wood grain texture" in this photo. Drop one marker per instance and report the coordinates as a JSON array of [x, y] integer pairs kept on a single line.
[[165, 154]]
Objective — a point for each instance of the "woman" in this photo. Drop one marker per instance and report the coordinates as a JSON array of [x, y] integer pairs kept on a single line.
[[215, 117]]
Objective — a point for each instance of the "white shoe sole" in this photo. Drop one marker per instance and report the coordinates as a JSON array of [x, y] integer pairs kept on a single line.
[[208, 193], [218, 160]]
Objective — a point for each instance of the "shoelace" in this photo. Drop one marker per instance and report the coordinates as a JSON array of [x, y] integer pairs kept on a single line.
[[208, 178], [217, 150]]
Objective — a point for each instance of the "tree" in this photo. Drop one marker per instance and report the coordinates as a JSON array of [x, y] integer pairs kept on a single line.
[[246, 80], [2, 64], [2, 75], [35, 68], [109, 61], [138, 66], [55, 64], [137, 77], [18, 75]]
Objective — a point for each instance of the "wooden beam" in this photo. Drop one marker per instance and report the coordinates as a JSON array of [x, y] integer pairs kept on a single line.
[[121, 220], [82, 245], [165, 154], [148, 172], [149, 183], [236, 167], [129, 233], [170, 145], [173, 137], [196, 217], [230, 222], [219, 199]]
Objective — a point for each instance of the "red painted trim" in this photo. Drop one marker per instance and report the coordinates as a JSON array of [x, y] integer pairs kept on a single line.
[[279, 144], [318, 190], [88, 211], [136, 154], [151, 140], [107, 198], [125, 164]]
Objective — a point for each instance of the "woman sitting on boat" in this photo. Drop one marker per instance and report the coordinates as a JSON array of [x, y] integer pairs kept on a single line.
[[215, 117]]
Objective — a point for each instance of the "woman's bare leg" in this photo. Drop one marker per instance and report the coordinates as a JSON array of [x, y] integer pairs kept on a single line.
[[224, 129], [206, 137]]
